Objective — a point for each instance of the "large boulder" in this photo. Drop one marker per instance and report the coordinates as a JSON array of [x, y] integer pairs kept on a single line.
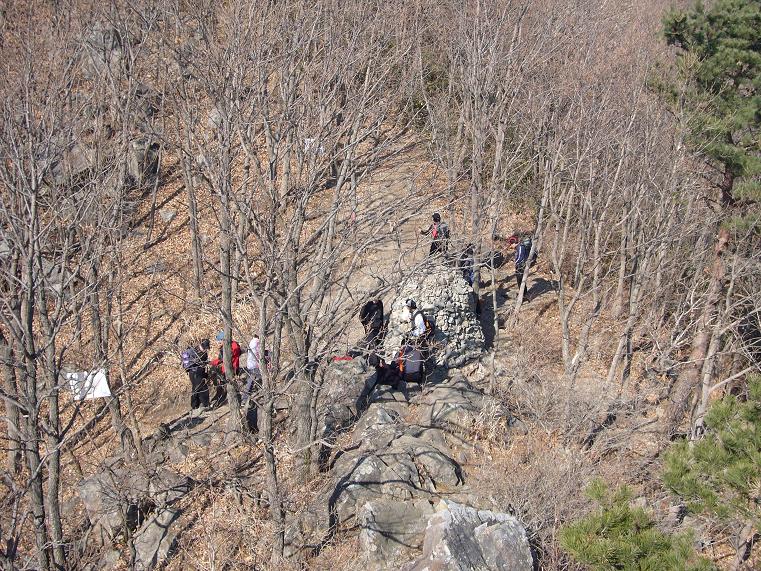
[[461, 538], [388, 460], [142, 161], [446, 298], [343, 395], [104, 50], [457, 406], [155, 540], [124, 495], [72, 166], [114, 498], [403, 467], [147, 102], [390, 530]]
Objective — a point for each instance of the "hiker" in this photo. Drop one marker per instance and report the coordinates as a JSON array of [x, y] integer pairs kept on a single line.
[[217, 369], [371, 317], [194, 361], [236, 352], [522, 251], [421, 327], [409, 362], [384, 373], [252, 366], [421, 330], [439, 232]]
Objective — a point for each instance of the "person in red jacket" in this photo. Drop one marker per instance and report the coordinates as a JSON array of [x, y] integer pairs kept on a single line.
[[218, 368], [219, 361]]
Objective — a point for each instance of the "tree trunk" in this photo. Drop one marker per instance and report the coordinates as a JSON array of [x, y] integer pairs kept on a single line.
[[534, 248], [744, 542], [31, 437], [195, 238], [233, 398], [265, 431], [690, 377], [8, 373], [137, 437], [36, 497], [618, 298], [709, 365], [303, 409], [53, 438], [624, 347], [100, 342]]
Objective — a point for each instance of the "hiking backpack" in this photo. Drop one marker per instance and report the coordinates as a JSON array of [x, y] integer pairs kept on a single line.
[[522, 253], [440, 231], [401, 361], [189, 358]]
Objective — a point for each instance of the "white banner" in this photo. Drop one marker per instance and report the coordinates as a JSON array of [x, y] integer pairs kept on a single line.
[[89, 385]]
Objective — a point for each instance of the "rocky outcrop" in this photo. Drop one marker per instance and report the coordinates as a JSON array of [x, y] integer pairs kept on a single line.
[[343, 395], [457, 407], [399, 464], [142, 161], [155, 540], [447, 299], [388, 459], [104, 50], [390, 528], [124, 495], [460, 538]]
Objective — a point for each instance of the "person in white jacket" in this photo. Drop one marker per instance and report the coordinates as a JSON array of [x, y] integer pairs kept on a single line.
[[416, 319]]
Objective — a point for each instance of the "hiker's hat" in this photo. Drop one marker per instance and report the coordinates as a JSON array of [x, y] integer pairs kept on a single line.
[[411, 303], [204, 343], [220, 336]]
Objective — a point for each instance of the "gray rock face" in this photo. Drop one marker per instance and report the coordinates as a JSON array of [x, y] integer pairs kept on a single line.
[[389, 528], [104, 50], [343, 395], [390, 461], [142, 161], [456, 405], [147, 102], [155, 540], [123, 495], [73, 164], [108, 495], [167, 214], [445, 297], [460, 538]]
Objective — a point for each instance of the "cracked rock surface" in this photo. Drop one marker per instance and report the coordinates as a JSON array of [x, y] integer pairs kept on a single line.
[[397, 482]]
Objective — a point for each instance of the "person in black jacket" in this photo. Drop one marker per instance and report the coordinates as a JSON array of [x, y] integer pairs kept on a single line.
[[439, 232], [371, 317], [198, 374]]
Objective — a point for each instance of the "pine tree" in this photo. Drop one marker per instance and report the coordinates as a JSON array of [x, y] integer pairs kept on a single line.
[[721, 474], [724, 90], [720, 91], [621, 537]]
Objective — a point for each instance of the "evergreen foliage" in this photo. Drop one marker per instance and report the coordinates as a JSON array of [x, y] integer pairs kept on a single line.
[[619, 536], [721, 48], [721, 474]]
